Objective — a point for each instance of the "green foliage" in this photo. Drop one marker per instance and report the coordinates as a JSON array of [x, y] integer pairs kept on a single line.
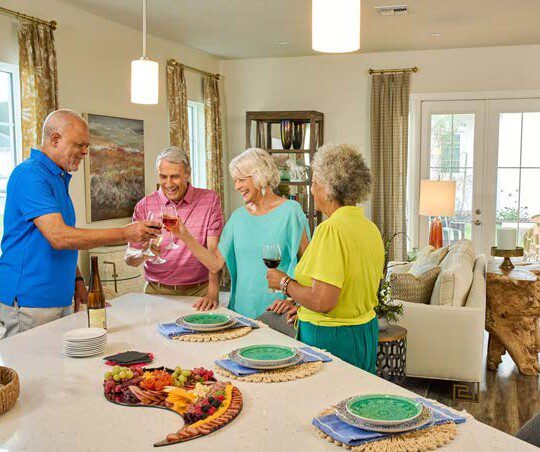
[[386, 309]]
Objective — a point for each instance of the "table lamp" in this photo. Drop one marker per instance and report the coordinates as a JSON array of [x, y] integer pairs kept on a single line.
[[437, 199]]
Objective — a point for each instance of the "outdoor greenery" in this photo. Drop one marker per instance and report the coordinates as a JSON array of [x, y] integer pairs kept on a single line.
[[385, 308]]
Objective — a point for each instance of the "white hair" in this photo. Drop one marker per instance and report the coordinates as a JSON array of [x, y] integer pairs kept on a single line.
[[173, 155], [258, 164], [58, 120]]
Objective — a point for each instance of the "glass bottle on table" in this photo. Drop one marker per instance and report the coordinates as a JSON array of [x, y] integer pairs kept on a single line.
[[169, 218], [97, 316]]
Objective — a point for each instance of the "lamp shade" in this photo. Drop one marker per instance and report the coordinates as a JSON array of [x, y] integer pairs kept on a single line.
[[144, 81], [437, 198], [335, 26]]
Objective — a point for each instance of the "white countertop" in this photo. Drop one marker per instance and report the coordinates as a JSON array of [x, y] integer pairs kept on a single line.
[[62, 408]]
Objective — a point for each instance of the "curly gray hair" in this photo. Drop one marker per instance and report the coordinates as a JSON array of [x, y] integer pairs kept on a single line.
[[343, 172]]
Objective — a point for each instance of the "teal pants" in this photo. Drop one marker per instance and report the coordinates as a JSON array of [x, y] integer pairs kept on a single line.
[[355, 344]]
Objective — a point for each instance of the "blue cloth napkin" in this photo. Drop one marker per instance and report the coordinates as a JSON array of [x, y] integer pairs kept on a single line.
[[334, 427], [308, 356], [172, 330]]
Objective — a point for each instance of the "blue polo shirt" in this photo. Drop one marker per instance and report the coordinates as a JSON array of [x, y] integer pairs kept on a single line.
[[31, 270]]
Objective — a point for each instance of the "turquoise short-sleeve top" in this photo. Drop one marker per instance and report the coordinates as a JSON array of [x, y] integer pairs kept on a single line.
[[241, 245]]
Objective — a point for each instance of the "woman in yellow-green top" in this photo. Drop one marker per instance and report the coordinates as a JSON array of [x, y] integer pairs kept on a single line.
[[336, 281]]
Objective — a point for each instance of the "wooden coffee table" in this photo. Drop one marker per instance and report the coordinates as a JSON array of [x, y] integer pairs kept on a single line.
[[512, 316]]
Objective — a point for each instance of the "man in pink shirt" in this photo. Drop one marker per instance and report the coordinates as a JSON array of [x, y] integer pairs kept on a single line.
[[200, 211]]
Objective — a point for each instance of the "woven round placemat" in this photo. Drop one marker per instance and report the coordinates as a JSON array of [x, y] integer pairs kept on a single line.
[[276, 376], [215, 336], [417, 441]]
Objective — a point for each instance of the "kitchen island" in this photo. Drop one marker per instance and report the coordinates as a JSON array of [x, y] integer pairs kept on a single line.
[[62, 408]]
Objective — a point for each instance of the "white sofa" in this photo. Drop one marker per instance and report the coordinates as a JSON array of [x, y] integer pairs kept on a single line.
[[447, 342]]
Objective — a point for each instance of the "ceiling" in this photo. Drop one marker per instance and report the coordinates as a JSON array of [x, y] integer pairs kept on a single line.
[[254, 28]]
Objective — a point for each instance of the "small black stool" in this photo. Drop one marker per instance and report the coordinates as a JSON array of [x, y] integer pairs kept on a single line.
[[392, 353]]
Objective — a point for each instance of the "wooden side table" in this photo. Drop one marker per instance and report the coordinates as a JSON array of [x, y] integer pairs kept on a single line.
[[512, 316], [392, 353]]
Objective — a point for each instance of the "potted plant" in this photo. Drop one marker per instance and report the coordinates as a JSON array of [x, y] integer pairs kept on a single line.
[[386, 310]]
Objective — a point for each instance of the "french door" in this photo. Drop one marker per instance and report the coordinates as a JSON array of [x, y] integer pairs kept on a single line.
[[452, 148], [491, 148]]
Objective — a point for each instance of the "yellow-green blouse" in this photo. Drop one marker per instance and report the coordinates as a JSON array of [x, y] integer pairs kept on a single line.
[[347, 252]]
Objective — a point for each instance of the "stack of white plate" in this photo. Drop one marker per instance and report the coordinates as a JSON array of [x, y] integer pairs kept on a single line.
[[84, 342]]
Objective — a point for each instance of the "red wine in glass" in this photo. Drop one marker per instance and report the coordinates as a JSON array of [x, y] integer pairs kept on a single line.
[[169, 222], [271, 263]]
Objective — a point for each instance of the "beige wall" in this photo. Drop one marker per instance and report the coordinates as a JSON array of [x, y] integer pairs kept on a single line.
[[94, 57], [338, 85]]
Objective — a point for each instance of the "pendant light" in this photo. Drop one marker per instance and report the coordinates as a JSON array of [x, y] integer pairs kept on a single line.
[[144, 75], [335, 25]]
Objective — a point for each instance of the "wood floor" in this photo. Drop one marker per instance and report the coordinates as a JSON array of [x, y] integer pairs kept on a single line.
[[507, 398]]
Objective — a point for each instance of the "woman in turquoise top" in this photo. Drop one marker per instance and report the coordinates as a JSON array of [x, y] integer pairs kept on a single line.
[[266, 219]]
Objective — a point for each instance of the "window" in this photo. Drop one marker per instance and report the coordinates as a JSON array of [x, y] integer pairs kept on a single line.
[[518, 172], [10, 138], [197, 143]]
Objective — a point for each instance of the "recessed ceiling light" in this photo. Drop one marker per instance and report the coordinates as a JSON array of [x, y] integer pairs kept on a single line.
[[283, 43], [435, 34]]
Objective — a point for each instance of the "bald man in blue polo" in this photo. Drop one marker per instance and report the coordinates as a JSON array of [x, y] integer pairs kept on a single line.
[[39, 277]]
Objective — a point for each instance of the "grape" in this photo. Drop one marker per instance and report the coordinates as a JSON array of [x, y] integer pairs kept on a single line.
[[116, 377]]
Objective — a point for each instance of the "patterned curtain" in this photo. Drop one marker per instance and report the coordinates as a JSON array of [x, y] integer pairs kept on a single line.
[[178, 106], [39, 80], [389, 149], [214, 144]]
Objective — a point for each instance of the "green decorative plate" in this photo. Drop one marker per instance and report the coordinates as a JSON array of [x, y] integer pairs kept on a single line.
[[206, 319], [384, 409], [267, 353]]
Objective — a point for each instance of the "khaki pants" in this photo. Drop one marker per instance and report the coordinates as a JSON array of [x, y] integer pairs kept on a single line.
[[14, 319], [152, 288]]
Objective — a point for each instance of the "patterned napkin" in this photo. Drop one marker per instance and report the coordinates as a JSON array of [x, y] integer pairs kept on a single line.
[[172, 330], [309, 355], [334, 427]]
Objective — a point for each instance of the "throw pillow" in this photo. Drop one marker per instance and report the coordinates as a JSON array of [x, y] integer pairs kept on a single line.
[[428, 261], [415, 289]]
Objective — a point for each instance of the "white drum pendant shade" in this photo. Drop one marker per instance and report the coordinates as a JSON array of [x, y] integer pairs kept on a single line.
[[335, 25], [144, 81]]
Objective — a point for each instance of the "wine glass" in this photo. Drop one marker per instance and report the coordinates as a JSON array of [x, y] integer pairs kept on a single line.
[[169, 218], [272, 258], [154, 258]]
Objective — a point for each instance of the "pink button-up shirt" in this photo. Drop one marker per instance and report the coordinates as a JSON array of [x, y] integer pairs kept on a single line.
[[200, 211]]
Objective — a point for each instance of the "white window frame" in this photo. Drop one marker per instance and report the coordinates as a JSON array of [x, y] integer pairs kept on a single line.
[[13, 70], [197, 143], [415, 157], [15, 120]]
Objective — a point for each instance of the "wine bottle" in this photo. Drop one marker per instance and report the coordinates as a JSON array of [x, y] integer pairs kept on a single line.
[[97, 317]]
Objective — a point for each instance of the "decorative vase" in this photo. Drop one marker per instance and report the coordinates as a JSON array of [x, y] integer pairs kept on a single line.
[[297, 135], [286, 133], [383, 323]]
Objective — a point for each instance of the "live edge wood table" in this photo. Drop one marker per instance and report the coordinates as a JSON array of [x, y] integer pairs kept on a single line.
[[61, 406], [512, 316]]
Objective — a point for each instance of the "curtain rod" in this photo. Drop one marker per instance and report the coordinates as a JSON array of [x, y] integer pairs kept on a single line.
[[200, 71], [53, 24], [383, 71]]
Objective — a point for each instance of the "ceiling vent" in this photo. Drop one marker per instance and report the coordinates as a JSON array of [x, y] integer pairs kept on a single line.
[[399, 10]]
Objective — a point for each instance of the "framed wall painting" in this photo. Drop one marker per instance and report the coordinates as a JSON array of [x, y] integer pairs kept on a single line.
[[114, 167]]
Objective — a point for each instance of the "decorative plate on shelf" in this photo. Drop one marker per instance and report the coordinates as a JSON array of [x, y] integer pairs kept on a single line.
[[383, 409], [206, 321], [423, 419]]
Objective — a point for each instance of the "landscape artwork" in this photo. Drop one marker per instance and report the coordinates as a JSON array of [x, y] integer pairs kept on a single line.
[[114, 167]]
